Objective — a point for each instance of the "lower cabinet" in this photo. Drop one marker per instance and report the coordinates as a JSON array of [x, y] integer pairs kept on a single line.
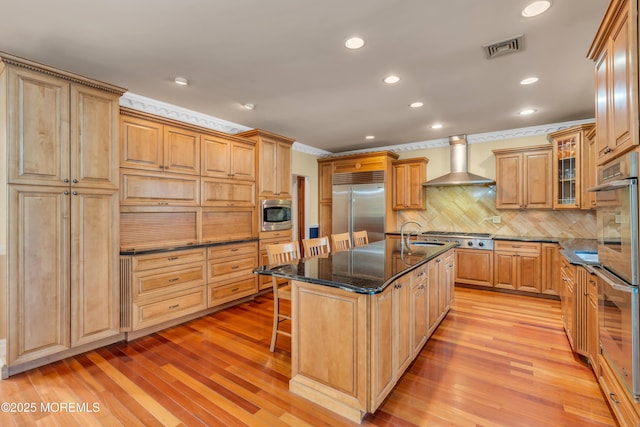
[[230, 272], [568, 300], [517, 266], [474, 267], [622, 405]]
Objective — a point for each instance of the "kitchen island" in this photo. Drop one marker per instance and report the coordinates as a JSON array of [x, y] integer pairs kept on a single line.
[[360, 317]]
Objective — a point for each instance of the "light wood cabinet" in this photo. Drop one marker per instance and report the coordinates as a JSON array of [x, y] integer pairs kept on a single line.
[[615, 52], [228, 157], [230, 272], [517, 266], [474, 267], [151, 145], [581, 311], [408, 177], [274, 163], [419, 307], [159, 287], [589, 170], [147, 188], [61, 223], [625, 409], [593, 331], [570, 181], [568, 300], [523, 178], [550, 269]]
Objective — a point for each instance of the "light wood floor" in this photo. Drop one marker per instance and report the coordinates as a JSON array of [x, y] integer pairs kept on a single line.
[[496, 360]]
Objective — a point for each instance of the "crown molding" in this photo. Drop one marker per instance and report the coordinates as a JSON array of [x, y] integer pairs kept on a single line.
[[474, 138], [170, 111], [307, 149]]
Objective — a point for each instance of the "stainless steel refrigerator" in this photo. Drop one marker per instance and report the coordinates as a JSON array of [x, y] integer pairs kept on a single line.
[[359, 207]]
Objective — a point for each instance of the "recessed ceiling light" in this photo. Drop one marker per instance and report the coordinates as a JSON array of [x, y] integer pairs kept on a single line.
[[536, 8], [181, 81], [391, 79], [416, 104], [529, 80], [436, 126], [249, 106], [369, 137], [527, 112], [354, 43]]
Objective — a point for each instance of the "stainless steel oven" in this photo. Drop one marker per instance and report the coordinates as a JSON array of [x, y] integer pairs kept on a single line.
[[275, 214], [617, 233]]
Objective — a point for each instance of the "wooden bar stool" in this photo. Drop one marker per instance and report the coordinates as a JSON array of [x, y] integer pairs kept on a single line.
[[281, 253], [340, 241], [360, 238], [316, 247]]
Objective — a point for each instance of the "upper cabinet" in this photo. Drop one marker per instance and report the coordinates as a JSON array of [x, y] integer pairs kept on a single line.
[[228, 157], [150, 145], [571, 174], [523, 178], [408, 176], [615, 52], [274, 157]]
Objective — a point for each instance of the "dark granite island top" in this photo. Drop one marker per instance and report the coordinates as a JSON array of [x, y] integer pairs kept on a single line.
[[367, 270]]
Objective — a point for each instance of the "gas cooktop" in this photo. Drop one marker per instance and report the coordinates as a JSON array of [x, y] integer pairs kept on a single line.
[[463, 238], [458, 234]]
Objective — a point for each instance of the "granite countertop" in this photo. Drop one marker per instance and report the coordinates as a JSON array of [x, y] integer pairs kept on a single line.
[[367, 269], [181, 248]]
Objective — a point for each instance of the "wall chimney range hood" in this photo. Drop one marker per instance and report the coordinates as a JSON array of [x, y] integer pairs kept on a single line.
[[459, 174]]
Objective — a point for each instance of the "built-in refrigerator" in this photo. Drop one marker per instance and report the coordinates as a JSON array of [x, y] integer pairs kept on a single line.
[[359, 207]]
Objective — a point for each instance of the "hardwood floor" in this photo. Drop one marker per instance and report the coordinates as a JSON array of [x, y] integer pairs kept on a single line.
[[496, 360]]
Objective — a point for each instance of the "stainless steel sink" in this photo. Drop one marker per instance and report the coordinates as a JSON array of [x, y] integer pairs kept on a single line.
[[587, 256], [421, 243]]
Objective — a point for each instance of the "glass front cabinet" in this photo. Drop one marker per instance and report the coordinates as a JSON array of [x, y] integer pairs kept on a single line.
[[569, 178]]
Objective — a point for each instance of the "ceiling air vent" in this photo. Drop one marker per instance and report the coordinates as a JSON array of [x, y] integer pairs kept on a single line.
[[504, 47]]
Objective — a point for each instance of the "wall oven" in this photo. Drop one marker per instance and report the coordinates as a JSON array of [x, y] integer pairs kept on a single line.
[[275, 214], [617, 233]]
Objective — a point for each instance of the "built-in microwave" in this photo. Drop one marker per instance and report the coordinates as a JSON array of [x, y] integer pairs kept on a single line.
[[275, 214]]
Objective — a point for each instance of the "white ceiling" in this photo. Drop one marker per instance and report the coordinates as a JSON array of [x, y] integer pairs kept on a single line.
[[288, 58]]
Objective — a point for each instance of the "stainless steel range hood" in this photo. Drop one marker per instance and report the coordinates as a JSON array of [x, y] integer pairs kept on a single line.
[[459, 174]]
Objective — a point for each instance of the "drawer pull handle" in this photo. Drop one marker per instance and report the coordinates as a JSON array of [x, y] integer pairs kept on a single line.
[[235, 289], [614, 398], [171, 307], [172, 258], [175, 279], [235, 267], [234, 250]]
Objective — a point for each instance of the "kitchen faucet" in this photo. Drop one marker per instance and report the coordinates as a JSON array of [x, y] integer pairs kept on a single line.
[[402, 231]]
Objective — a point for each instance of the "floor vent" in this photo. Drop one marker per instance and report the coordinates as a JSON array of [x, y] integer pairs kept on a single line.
[[504, 47]]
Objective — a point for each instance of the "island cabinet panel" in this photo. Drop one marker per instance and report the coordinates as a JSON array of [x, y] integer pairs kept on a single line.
[[333, 375], [382, 355]]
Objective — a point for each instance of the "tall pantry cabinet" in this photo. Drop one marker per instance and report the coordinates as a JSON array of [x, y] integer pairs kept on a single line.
[[59, 213]]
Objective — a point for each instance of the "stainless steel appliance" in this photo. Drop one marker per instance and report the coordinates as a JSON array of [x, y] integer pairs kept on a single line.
[[465, 240], [359, 203], [617, 233], [275, 214]]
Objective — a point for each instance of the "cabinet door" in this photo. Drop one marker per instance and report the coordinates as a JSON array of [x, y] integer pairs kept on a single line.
[[550, 269], [181, 151], [283, 170], [602, 106], [589, 171], [434, 290], [567, 171], [94, 138], [474, 267], [505, 270], [141, 144], [267, 167], [38, 128], [243, 161], [528, 273], [399, 186], [38, 272], [416, 175], [326, 187], [419, 315], [402, 324], [624, 87], [95, 303], [227, 192], [382, 367], [509, 181], [216, 157], [537, 180]]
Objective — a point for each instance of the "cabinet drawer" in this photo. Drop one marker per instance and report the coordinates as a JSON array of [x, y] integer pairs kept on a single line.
[[169, 279], [173, 306], [152, 188], [281, 235], [231, 267], [225, 251], [621, 404], [167, 259], [419, 276], [232, 291], [520, 247], [227, 192]]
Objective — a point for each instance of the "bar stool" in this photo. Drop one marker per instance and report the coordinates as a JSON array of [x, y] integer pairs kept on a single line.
[[316, 246], [340, 241], [360, 238], [281, 253]]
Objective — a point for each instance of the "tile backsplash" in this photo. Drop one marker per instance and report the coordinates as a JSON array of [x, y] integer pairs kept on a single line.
[[473, 208]]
